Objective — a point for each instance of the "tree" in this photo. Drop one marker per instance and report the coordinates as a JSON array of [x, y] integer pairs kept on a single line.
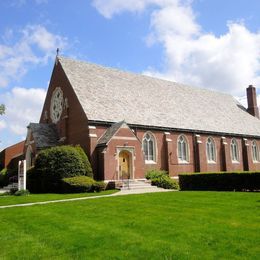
[[2, 109]]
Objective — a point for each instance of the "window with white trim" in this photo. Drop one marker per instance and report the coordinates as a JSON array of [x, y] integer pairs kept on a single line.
[[255, 152], [183, 149], [149, 147], [211, 150], [234, 151]]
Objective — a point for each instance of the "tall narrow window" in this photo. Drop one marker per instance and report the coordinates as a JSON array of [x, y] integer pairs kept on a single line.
[[28, 157], [255, 152], [211, 150], [149, 147], [234, 151], [183, 149]]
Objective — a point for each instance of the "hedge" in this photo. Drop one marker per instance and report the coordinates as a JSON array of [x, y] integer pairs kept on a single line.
[[82, 184], [221, 181]]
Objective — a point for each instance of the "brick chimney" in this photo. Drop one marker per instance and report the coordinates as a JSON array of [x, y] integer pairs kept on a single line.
[[251, 101]]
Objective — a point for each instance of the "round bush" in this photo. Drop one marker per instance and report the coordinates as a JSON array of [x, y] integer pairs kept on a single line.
[[63, 161], [56, 163], [22, 193]]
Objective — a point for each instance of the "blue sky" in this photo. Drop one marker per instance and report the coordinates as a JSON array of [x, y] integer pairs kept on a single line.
[[205, 43]]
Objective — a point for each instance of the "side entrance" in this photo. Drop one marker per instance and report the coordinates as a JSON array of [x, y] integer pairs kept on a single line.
[[125, 164]]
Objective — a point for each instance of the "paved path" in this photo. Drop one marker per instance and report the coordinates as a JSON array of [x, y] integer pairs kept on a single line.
[[120, 193]]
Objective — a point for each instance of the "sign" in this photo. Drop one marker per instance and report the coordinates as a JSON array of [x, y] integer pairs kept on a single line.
[[22, 175]]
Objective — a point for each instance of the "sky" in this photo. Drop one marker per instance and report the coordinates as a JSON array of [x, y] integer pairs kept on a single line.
[[212, 44]]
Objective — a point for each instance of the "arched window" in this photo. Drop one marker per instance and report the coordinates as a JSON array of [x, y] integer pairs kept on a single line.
[[255, 152], [234, 151], [183, 149], [149, 147], [211, 150], [28, 157]]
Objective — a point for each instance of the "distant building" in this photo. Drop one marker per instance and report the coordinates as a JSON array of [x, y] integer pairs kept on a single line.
[[129, 123], [10, 156]]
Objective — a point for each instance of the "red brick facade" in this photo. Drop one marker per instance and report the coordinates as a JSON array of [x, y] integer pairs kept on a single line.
[[167, 155], [75, 129]]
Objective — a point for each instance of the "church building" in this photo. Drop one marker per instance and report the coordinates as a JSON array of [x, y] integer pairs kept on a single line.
[[129, 123]]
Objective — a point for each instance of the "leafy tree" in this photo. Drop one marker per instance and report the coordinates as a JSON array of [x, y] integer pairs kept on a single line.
[[2, 109]]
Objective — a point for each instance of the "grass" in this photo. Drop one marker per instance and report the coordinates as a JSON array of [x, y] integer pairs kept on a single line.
[[11, 200], [171, 225]]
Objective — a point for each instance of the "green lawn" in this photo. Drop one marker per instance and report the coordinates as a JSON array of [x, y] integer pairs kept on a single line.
[[174, 225], [11, 200]]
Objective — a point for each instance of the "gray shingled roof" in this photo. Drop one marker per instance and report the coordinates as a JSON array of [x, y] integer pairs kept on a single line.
[[45, 135], [111, 95]]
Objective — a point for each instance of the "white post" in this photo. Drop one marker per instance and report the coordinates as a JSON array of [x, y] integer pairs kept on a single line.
[[19, 174], [22, 175]]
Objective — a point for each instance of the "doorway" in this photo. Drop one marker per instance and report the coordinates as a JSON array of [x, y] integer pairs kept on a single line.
[[125, 170]]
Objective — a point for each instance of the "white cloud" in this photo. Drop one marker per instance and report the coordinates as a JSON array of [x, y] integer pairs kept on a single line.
[[229, 62], [2, 124], [35, 46], [112, 7], [22, 107]]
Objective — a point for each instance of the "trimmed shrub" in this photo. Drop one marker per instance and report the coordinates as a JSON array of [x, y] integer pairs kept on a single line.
[[165, 182], [111, 185], [22, 193], [13, 191], [54, 164], [82, 184], [99, 186], [85, 160], [222, 181], [61, 162], [77, 184], [161, 179], [152, 174], [34, 181]]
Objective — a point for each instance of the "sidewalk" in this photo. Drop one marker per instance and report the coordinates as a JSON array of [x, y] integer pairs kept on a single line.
[[120, 193]]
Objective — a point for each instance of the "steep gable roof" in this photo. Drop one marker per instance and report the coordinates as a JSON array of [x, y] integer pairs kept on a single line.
[[111, 95], [44, 135], [110, 132]]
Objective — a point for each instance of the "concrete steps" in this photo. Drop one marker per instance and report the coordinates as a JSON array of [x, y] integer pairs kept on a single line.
[[10, 186], [137, 185]]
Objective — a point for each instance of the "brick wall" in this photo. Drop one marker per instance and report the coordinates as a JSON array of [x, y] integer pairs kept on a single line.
[[167, 157], [73, 124], [11, 152]]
